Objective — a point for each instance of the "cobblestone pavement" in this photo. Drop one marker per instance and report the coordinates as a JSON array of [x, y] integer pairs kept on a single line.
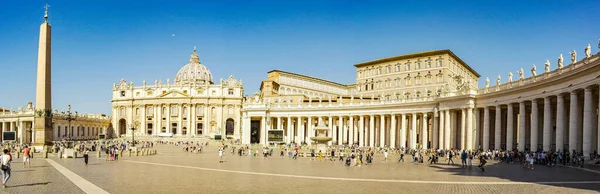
[[41, 177], [175, 171]]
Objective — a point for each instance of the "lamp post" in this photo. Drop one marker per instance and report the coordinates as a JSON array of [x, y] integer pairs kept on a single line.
[[70, 117], [132, 127]]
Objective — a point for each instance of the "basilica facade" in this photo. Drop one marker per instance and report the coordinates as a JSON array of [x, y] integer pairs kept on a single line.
[[431, 100], [193, 105]]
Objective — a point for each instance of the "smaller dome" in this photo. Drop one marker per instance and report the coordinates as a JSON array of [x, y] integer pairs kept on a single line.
[[194, 72]]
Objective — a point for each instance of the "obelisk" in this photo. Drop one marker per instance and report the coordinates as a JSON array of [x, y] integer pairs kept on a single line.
[[43, 89]]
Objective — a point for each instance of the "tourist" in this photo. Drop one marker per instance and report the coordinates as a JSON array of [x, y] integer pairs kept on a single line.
[[220, 155], [385, 155], [450, 157], [401, 157], [463, 158], [482, 162], [26, 160], [5, 159], [86, 156], [469, 159]]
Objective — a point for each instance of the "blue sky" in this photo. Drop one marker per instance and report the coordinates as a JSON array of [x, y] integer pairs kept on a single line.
[[97, 44]]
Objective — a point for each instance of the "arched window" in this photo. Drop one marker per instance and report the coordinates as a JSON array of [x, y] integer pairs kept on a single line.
[[200, 110], [137, 111], [213, 111], [184, 110], [122, 112], [164, 110]]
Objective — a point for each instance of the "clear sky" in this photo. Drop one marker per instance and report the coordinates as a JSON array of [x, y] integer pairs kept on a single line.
[[95, 44]]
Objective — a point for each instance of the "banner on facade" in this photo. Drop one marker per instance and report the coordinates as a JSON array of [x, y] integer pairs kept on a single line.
[[275, 136], [9, 136]]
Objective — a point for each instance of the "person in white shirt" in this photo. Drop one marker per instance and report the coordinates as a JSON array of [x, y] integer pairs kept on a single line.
[[5, 159], [220, 155]]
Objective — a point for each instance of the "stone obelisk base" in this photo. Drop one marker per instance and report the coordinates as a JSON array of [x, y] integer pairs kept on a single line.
[[42, 132]]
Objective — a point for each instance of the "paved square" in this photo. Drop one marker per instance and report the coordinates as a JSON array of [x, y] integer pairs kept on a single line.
[[176, 171]]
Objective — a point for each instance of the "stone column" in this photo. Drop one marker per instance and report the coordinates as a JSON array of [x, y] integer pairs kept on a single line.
[[573, 118], [447, 130], [310, 130], [299, 130], [486, 128], [263, 131], [547, 130], [20, 131], [332, 132], [142, 118], [393, 131], [522, 126], [192, 122], [341, 130], [180, 123], [441, 125], [351, 131], [279, 124], [372, 130], [434, 131], [454, 130], [361, 139], [344, 130], [560, 122], [158, 119], [509, 127], [425, 134], [598, 129], [168, 117], [477, 130], [469, 128], [534, 125], [290, 129], [403, 131], [413, 133], [463, 126], [588, 121], [382, 131], [498, 128]]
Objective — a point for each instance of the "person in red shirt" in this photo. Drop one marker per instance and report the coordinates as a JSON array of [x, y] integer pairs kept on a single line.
[[26, 155]]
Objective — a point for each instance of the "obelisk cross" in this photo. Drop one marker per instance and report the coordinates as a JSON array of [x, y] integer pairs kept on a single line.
[[46, 13]]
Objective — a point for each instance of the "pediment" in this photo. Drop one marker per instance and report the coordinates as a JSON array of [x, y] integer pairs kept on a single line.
[[173, 94]]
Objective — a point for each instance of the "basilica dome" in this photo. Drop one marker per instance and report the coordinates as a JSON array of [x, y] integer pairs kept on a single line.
[[194, 72]]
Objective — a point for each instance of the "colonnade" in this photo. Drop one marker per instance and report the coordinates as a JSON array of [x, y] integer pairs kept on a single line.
[[17, 126], [397, 130], [557, 122]]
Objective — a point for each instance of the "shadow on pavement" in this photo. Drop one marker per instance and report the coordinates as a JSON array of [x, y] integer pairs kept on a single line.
[[31, 184], [541, 174]]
